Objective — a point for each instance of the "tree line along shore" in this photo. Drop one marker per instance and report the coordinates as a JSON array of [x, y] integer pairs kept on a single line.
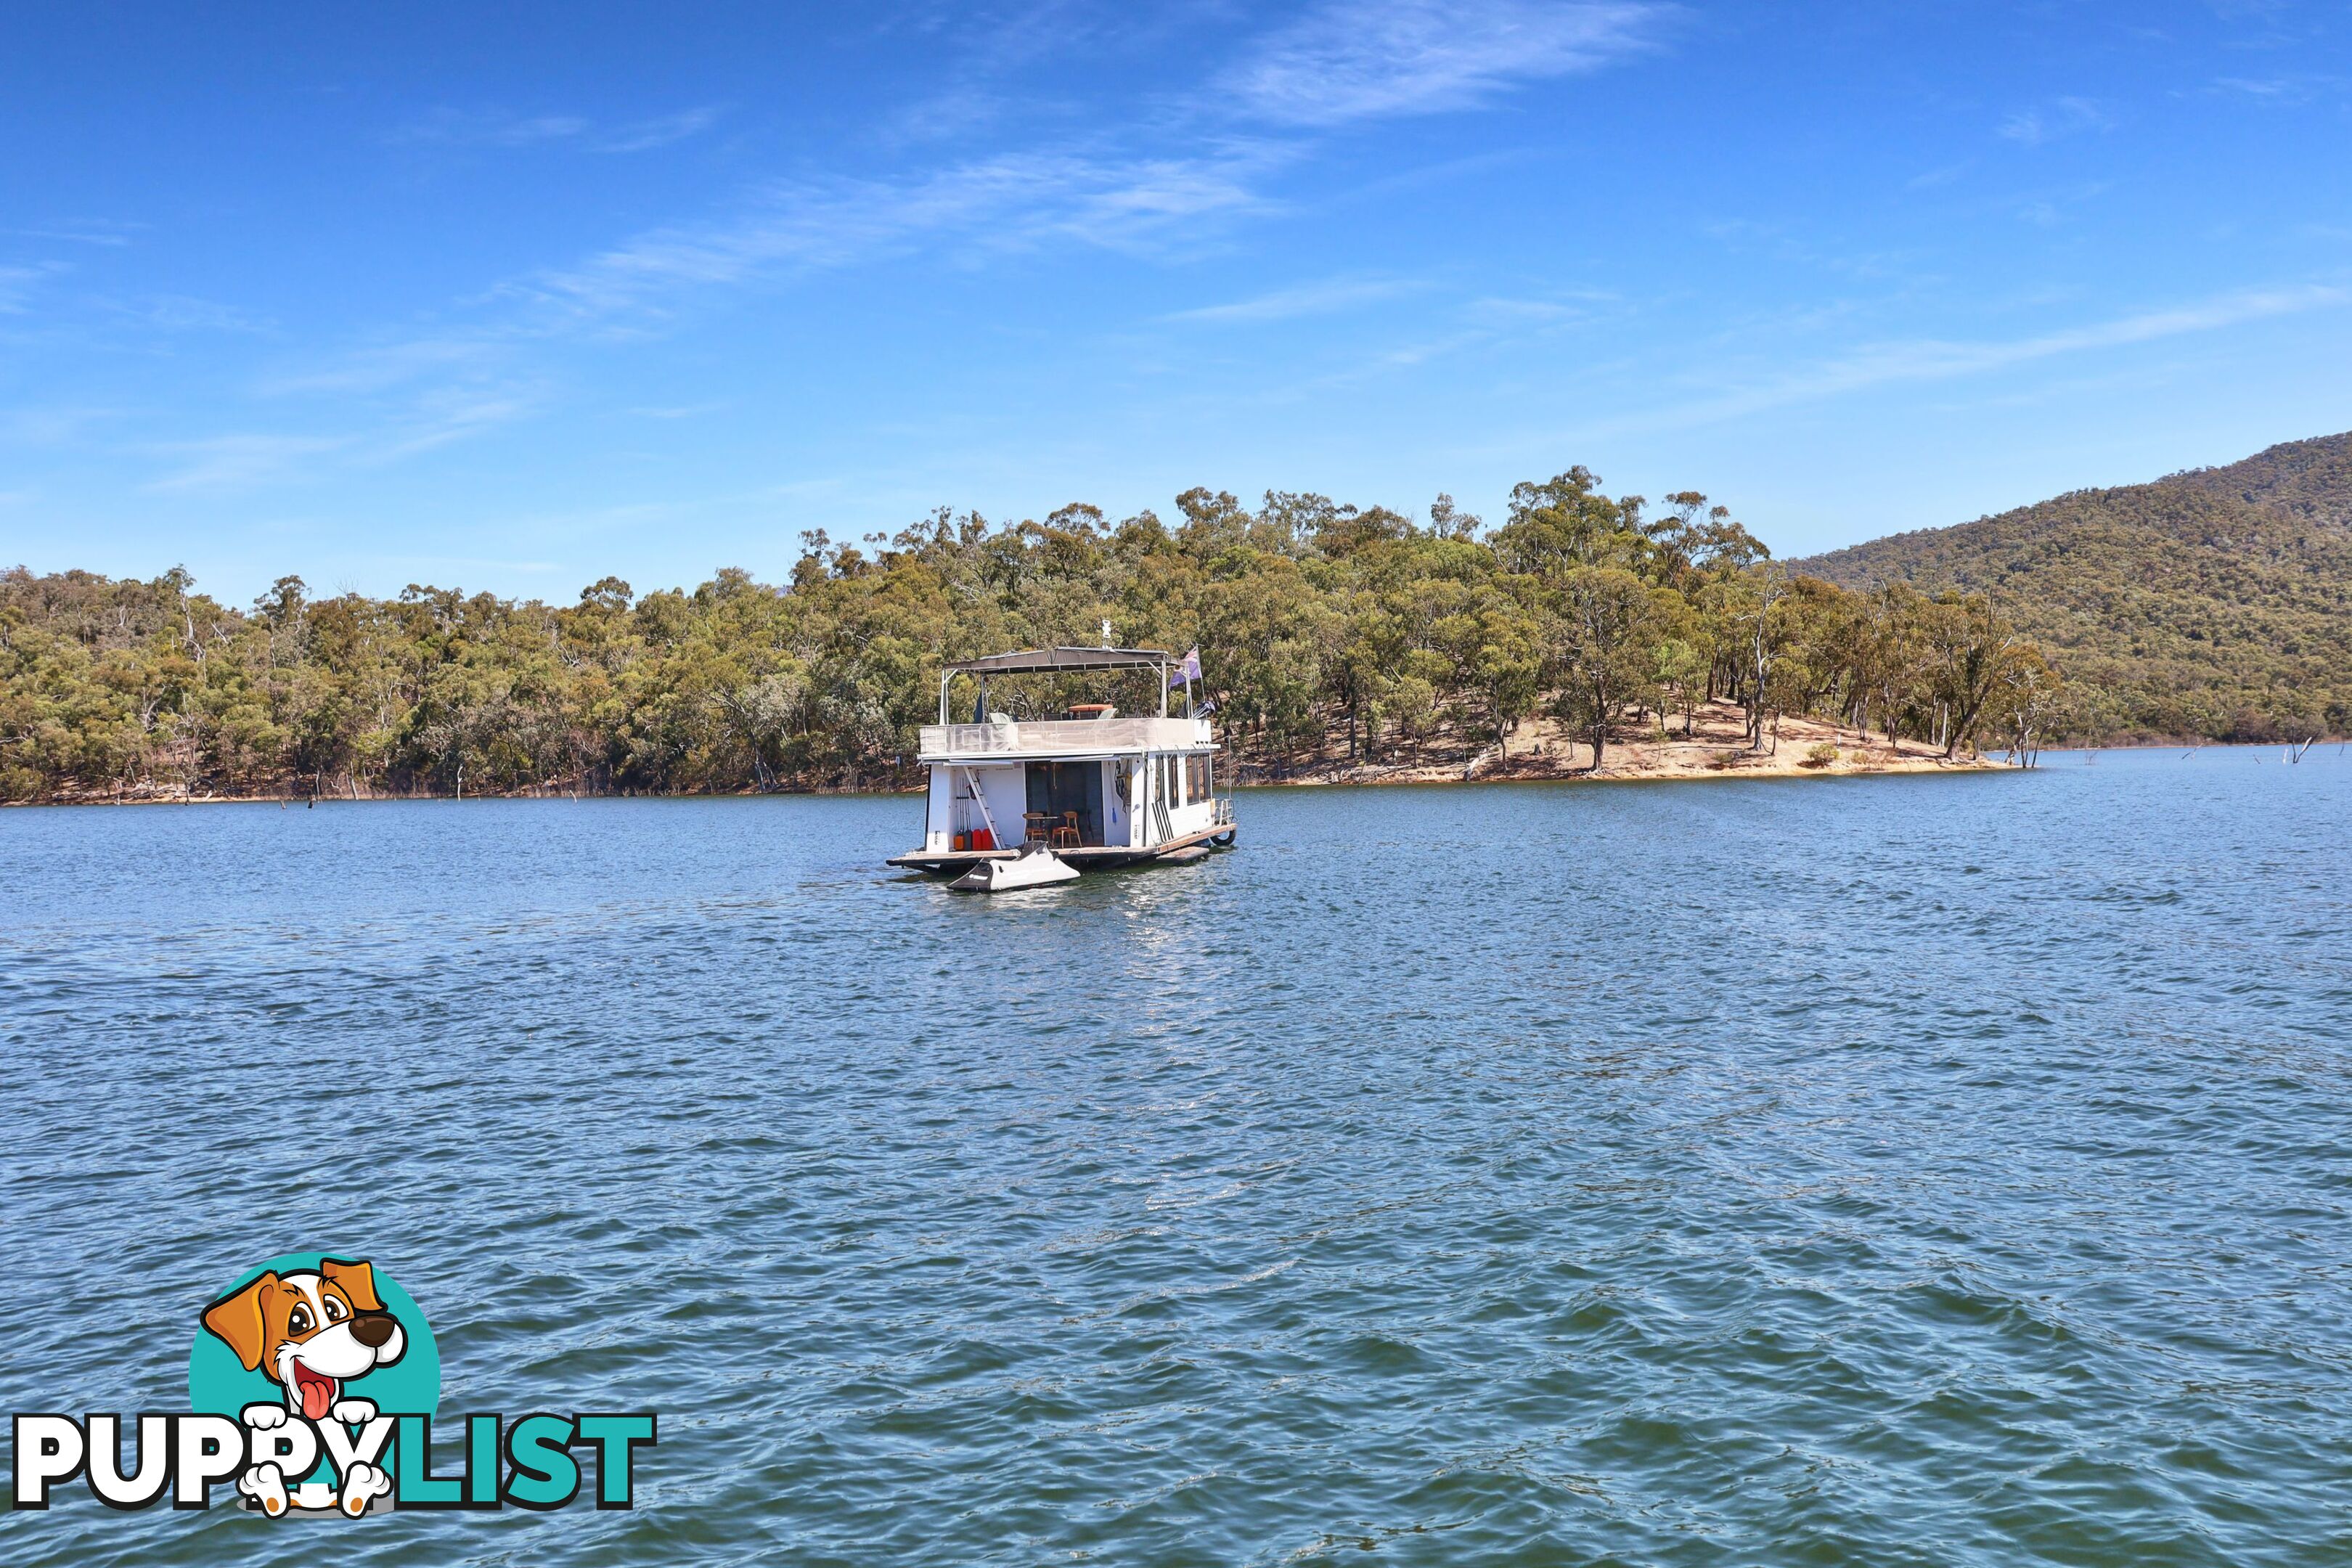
[[1584, 634]]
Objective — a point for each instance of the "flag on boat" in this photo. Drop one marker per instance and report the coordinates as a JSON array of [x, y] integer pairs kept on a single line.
[[1187, 672]]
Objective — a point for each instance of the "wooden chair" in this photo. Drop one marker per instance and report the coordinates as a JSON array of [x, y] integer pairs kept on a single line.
[[1066, 835], [1033, 830]]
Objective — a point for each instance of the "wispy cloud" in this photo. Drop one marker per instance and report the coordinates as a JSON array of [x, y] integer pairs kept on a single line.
[[1015, 201], [451, 127], [51, 425], [422, 418], [82, 231], [379, 367], [469, 563], [186, 313], [1327, 296], [2048, 122], [1349, 58], [238, 462], [18, 285], [1357, 60], [1934, 179], [678, 411], [643, 135], [960, 111], [445, 416], [247, 460], [2048, 209], [1573, 308], [1933, 360], [1174, 184], [487, 127], [2290, 90]]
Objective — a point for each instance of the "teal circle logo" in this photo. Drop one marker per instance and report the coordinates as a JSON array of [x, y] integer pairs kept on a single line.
[[313, 1332]]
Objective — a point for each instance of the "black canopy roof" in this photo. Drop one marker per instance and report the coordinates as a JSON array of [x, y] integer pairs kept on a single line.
[[1044, 660]]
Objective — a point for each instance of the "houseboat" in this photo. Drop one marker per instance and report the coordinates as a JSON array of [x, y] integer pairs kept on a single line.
[[1094, 786]]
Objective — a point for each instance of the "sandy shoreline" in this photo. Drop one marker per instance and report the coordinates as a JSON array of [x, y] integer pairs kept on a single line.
[[1716, 748], [1542, 751]]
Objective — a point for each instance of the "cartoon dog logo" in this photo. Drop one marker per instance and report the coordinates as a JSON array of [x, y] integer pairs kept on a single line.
[[312, 1332]]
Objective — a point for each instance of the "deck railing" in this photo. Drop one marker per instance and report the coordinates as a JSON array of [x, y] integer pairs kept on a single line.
[[1048, 737]]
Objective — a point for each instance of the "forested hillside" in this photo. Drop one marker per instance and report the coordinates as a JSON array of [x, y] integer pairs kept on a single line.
[[2216, 602], [1326, 632]]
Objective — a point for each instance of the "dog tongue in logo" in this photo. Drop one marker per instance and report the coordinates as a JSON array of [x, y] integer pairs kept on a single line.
[[317, 1392]]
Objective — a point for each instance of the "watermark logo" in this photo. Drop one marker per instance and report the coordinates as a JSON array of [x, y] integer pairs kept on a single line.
[[315, 1345], [312, 1389]]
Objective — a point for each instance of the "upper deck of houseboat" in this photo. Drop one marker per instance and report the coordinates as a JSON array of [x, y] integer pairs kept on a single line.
[[1067, 740]]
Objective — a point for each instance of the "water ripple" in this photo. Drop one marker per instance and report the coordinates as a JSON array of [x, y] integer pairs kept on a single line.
[[1909, 1171]]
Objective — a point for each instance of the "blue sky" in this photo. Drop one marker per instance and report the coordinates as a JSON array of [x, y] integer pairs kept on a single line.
[[511, 297]]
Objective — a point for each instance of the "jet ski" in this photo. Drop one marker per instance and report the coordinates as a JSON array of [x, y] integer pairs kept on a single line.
[[1034, 866]]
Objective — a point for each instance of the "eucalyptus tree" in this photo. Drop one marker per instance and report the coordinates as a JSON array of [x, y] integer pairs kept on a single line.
[[1971, 653], [1567, 521], [1612, 625]]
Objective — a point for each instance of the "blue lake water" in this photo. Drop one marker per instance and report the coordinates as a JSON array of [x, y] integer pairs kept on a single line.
[[1936, 1170]]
